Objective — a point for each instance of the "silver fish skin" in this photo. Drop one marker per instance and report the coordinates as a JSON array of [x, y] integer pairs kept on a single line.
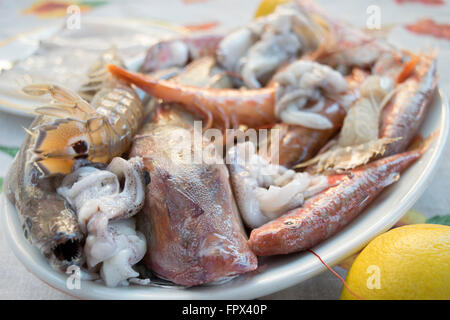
[[47, 220]]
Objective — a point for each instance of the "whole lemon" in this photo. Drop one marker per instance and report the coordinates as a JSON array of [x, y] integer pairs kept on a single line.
[[267, 7], [409, 262]]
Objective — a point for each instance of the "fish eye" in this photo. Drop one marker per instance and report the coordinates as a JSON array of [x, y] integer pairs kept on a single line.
[[147, 178], [29, 223]]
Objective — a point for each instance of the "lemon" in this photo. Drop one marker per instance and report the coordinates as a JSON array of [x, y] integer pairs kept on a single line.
[[409, 262], [268, 6]]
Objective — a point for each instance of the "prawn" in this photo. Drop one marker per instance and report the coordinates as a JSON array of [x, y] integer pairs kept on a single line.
[[76, 129]]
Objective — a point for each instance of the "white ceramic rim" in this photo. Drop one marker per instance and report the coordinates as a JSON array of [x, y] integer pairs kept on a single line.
[[301, 266]]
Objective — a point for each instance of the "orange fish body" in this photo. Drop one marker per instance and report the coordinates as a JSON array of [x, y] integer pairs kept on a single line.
[[329, 211]]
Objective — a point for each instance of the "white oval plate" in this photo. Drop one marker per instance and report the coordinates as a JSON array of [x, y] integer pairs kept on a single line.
[[274, 273], [23, 45]]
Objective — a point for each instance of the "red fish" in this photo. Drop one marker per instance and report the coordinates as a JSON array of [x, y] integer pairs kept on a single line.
[[329, 211], [404, 114]]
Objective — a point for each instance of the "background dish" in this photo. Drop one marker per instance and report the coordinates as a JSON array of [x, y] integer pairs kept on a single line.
[[58, 43], [274, 273]]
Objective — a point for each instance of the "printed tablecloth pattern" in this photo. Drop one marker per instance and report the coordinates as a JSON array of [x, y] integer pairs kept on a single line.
[[413, 24]]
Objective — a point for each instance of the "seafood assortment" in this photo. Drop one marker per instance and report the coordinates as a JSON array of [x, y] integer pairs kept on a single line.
[[47, 219], [326, 213], [298, 143], [101, 184], [225, 108], [265, 191], [104, 212], [257, 50], [303, 81]]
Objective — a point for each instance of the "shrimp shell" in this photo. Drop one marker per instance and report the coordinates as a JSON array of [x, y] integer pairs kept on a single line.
[[225, 107], [98, 131]]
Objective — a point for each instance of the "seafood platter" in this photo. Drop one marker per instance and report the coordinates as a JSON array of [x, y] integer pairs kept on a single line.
[[250, 153]]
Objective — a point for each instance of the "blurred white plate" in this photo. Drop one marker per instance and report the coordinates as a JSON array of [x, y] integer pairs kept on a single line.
[[50, 53], [275, 273]]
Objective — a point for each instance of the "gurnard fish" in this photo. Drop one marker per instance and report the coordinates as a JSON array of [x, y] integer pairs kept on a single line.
[[193, 229], [325, 214], [47, 219]]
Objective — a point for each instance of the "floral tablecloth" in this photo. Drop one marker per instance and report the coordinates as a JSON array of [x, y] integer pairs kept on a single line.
[[412, 24]]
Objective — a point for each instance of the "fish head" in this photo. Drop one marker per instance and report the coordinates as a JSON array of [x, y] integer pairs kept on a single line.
[[58, 236]]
